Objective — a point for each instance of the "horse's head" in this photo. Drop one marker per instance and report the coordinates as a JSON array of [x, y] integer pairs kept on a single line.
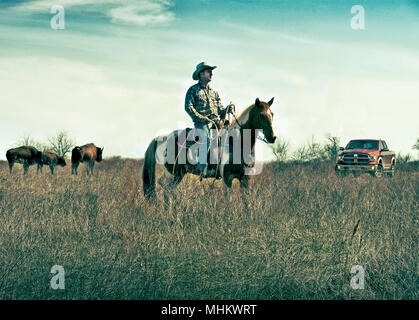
[[261, 117]]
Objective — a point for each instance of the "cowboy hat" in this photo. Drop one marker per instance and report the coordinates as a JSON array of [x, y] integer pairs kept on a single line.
[[200, 67]]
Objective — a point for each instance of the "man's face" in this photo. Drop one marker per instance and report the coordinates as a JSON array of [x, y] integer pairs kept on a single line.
[[206, 75]]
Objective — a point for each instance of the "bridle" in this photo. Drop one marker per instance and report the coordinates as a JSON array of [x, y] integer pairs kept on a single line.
[[241, 127]]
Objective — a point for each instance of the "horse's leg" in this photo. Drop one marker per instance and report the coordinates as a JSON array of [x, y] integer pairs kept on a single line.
[[244, 182], [11, 166], [87, 168], [51, 167], [176, 180], [225, 191], [244, 192], [169, 184], [164, 182], [228, 182], [168, 191]]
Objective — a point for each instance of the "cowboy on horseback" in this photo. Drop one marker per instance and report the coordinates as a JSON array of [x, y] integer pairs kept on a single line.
[[256, 118], [203, 105]]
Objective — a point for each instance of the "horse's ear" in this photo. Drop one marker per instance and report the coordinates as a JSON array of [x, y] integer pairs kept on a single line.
[[271, 101], [257, 102]]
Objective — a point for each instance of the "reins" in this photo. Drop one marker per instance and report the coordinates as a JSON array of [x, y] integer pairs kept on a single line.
[[241, 127], [237, 120]]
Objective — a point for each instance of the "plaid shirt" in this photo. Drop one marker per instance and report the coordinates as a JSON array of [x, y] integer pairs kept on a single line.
[[201, 101]]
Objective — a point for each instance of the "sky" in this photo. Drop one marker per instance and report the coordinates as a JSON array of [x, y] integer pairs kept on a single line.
[[118, 72]]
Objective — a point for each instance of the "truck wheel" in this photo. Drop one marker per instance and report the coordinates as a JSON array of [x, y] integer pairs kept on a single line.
[[379, 171], [390, 174], [340, 173]]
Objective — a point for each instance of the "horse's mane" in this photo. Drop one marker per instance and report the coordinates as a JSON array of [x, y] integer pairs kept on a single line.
[[243, 117]]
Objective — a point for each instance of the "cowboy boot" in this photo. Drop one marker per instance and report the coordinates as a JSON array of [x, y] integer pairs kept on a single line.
[[207, 173]]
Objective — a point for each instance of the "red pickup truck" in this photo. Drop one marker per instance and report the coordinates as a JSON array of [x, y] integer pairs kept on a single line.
[[366, 155]]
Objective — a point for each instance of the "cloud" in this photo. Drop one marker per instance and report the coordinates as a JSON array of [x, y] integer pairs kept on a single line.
[[136, 12], [258, 32], [143, 13]]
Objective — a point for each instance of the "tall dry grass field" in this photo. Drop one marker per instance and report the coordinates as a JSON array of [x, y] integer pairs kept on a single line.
[[289, 237]]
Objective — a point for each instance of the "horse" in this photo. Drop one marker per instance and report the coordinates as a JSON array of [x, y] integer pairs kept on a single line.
[[256, 118]]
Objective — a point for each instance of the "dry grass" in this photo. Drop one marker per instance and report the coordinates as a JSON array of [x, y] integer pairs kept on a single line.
[[288, 237]]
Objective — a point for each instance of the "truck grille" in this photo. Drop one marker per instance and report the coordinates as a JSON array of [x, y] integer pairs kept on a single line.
[[356, 158]]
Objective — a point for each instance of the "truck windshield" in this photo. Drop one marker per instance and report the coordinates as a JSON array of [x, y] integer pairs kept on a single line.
[[362, 144]]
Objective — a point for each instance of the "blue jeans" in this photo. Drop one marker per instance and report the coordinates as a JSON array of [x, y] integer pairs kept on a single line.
[[202, 163]]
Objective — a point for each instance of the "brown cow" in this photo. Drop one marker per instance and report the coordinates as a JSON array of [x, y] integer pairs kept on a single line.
[[87, 153], [51, 159], [26, 155]]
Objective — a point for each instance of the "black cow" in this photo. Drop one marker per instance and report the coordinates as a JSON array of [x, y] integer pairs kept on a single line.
[[51, 159], [26, 155], [87, 153]]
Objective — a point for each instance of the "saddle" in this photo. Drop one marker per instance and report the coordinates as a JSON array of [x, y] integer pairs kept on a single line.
[[183, 134], [183, 142]]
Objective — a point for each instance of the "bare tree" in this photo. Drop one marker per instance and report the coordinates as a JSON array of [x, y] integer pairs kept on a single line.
[[280, 149], [315, 150], [61, 144], [416, 145], [403, 158], [331, 148], [301, 154], [27, 140]]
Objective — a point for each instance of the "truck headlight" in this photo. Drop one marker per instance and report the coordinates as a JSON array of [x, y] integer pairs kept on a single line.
[[373, 158]]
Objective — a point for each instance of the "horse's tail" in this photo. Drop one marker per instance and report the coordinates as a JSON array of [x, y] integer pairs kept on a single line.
[[149, 170]]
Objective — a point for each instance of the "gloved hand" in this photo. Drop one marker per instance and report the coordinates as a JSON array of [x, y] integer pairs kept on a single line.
[[231, 108]]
